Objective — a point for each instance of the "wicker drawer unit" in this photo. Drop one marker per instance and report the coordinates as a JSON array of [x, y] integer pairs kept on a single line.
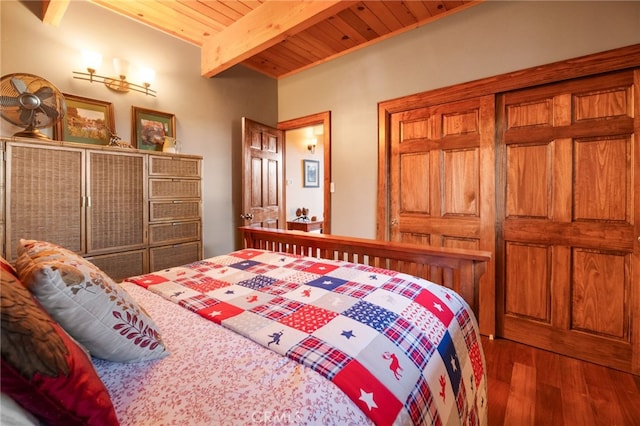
[[122, 265], [175, 210], [164, 257], [174, 166], [174, 188], [174, 232], [128, 211]]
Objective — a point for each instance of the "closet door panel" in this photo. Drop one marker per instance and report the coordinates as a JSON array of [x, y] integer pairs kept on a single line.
[[568, 219], [116, 218], [442, 182], [45, 195]]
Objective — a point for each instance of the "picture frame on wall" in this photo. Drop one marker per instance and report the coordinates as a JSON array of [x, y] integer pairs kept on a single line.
[[149, 128], [89, 121], [311, 173]]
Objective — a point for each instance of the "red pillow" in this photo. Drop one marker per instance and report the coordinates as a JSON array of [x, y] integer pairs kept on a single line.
[[43, 369]]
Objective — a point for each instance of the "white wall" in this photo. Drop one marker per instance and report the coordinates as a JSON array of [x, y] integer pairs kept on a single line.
[[207, 111], [492, 38], [297, 196]]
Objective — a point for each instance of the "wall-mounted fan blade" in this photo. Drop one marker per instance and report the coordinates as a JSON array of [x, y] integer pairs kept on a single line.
[[26, 115], [50, 111], [44, 93], [19, 85]]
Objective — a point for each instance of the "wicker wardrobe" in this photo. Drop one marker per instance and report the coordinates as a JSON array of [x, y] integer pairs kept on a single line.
[[128, 211]]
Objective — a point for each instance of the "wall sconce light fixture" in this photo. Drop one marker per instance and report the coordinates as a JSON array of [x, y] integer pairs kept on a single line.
[[92, 62], [312, 145]]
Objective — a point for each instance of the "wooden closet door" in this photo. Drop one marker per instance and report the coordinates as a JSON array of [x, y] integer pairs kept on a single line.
[[262, 175], [116, 213], [568, 209], [45, 193], [442, 183]]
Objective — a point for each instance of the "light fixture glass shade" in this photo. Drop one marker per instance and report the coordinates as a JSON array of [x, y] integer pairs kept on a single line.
[[117, 82], [313, 142], [121, 66], [92, 60], [146, 75]]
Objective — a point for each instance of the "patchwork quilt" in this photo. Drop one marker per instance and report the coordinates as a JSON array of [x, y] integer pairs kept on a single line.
[[405, 350]]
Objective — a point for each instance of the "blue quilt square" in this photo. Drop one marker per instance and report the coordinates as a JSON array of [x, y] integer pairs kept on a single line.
[[244, 265], [450, 357], [372, 315], [257, 282], [327, 282]]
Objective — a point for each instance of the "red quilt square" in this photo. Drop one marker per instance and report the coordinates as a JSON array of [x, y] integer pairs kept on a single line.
[[309, 318], [436, 306], [147, 280], [246, 254], [373, 398], [220, 312], [321, 268]]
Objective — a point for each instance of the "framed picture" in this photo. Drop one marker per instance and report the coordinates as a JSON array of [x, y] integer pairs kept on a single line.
[[86, 121], [149, 127], [311, 170]]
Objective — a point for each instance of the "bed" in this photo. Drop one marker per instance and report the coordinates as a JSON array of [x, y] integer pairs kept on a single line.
[[299, 328]]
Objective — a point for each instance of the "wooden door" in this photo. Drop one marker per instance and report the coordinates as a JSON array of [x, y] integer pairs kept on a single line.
[[45, 196], [442, 182], [569, 212], [117, 209], [262, 175]]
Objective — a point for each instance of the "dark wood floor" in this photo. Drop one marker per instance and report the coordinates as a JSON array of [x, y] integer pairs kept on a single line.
[[529, 386]]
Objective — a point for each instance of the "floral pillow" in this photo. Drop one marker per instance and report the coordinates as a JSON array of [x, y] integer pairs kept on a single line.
[[43, 369], [88, 304]]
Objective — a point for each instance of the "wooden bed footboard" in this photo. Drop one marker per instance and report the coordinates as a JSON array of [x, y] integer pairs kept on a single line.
[[457, 269]]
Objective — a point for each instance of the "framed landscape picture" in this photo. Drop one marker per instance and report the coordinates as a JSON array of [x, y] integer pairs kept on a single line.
[[86, 121], [311, 170], [149, 127]]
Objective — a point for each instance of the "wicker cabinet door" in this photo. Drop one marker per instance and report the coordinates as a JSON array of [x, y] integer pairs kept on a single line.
[[45, 189], [116, 211]]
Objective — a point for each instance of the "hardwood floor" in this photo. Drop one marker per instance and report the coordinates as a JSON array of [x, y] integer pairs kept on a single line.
[[529, 386]]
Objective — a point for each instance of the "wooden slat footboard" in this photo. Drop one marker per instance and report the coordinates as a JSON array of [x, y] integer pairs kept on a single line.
[[457, 269]]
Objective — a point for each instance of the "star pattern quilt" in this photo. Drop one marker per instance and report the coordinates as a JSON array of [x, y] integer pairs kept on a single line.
[[405, 350]]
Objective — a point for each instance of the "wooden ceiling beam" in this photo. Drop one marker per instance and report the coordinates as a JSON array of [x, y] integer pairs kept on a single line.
[[53, 11], [262, 28]]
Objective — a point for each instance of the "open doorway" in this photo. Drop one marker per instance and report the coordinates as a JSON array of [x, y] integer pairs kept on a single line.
[[301, 132]]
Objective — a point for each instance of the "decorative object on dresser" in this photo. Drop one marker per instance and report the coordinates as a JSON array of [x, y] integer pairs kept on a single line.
[[303, 222], [87, 120], [149, 128], [30, 102], [93, 201]]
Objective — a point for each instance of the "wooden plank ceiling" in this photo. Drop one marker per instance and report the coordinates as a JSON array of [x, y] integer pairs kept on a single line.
[[276, 38]]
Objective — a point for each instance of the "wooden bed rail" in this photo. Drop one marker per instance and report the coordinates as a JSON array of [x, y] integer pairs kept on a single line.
[[458, 269]]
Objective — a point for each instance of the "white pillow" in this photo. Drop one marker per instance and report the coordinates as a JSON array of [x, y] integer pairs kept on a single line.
[[12, 414], [88, 304]]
